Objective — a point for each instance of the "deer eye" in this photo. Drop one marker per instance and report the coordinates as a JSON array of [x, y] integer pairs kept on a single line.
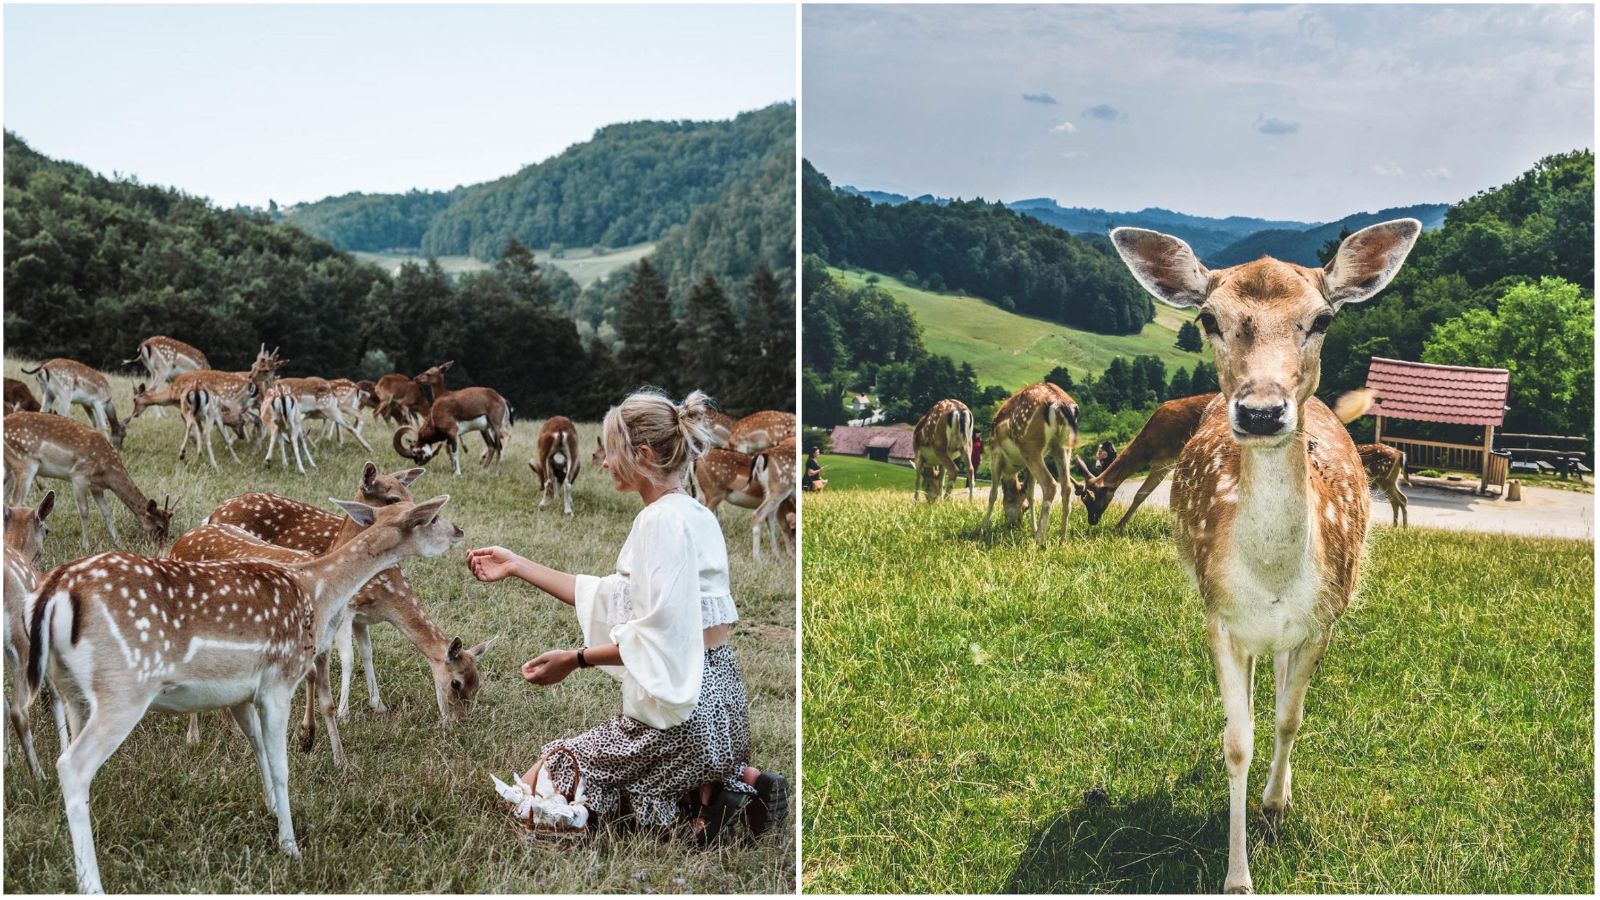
[[1320, 324], [1208, 322], [455, 684]]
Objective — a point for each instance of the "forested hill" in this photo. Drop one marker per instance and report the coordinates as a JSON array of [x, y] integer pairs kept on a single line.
[[1300, 245], [628, 184], [985, 249]]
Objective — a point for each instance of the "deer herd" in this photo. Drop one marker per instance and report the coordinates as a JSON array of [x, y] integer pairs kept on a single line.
[[245, 607]]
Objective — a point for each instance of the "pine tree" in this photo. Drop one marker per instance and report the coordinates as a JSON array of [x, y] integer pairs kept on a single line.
[[517, 266], [649, 335], [605, 387], [1189, 338], [709, 339], [767, 368]]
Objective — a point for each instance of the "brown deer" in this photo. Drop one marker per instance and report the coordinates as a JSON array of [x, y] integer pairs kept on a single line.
[[164, 357], [943, 434], [452, 417], [209, 400], [389, 597], [283, 419], [759, 431], [774, 470], [318, 399], [1269, 496], [557, 463], [1156, 446], [727, 476], [1386, 468], [64, 382], [25, 531], [1037, 424], [720, 424], [56, 447], [120, 635], [349, 398], [404, 400], [18, 398]]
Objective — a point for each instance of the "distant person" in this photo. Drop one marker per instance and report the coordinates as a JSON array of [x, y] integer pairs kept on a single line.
[[813, 480], [977, 452], [1104, 456]]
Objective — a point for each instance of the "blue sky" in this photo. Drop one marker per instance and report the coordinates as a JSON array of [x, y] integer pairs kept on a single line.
[[1304, 112], [293, 103]]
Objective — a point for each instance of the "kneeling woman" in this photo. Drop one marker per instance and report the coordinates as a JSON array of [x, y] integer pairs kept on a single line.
[[660, 625]]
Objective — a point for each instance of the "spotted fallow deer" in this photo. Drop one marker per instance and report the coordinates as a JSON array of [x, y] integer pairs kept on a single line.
[[18, 398], [1386, 468], [25, 531], [774, 470], [557, 461], [387, 598], [722, 475], [943, 435], [64, 382], [759, 431], [720, 424], [41, 444], [119, 635], [1269, 496], [317, 399], [1036, 425], [1156, 446], [208, 399], [453, 416], [164, 357], [349, 398], [283, 419]]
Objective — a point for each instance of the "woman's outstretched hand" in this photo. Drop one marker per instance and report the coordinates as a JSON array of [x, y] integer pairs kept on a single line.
[[492, 563], [550, 667]]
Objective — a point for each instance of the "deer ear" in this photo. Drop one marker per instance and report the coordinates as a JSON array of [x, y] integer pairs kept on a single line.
[[1368, 260], [45, 505], [368, 472], [478, 651], [1163, 265], [447, 364], [425, 513], [405, 478], [360, 513], [454, 653]]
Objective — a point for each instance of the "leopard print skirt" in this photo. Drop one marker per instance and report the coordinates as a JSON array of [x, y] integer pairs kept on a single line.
[[654, 774]]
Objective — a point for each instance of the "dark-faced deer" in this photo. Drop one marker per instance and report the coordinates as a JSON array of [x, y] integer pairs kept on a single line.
[[1269, 496], [452, 417]]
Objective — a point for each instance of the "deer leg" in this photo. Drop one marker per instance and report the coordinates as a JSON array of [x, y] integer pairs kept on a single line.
[[105, 511], [1233, 667], [1066, 491], [273, 708], [193, 734], [80, 493], [19, 481], [244, 716], [454, 450], [205, 432], [343, 645], [108, 726], [1151, 482], [17, 711], [566, 496], [995, 474], [1047, 490], [364, 641], [1293, 670]]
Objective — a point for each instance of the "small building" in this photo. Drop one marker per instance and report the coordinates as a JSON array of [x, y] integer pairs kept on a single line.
[[882, 443], [1451, 395]]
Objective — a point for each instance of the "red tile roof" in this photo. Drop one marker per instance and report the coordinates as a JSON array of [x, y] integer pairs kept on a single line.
[[853, 441], [1423, 392]]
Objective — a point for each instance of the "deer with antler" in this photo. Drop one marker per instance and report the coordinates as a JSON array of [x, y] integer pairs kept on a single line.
[[164, 357], [1036, 425], [25, 531], [65, 382], [943, 435], [1386, 468], [557, 463], [453, 415], [235, 634], [402, 399], [1269, 496], [41, 444], [387, 598]]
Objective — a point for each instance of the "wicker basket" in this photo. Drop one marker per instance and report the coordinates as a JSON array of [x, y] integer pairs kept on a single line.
[[545, 831]]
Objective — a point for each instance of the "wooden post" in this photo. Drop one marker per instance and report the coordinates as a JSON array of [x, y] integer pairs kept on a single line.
[[1377, 434], [1488, 447]]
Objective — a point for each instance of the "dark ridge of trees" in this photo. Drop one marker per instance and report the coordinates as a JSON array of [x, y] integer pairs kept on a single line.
[[984, 249]]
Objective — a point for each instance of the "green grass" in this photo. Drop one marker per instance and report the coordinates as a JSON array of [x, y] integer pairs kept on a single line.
[[962, 705], [415, 811], [857, 473], [579, 262], [1015, 351]]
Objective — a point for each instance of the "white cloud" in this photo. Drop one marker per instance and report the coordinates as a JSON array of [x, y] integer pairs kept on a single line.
[[1439, 174], [1388, 170], [1064, 128]]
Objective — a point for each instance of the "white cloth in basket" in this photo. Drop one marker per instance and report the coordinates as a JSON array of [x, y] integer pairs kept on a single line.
[[543, 804]]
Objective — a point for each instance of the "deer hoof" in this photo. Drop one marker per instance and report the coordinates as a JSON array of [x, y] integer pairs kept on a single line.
[[308, 738], [290, 848], [1239, 889]]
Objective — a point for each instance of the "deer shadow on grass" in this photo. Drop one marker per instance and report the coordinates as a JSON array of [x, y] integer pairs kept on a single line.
[[1105, 844]]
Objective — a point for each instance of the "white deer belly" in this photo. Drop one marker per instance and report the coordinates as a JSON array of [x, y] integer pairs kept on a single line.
[[1266, 610], [481, 423], [209, 694]]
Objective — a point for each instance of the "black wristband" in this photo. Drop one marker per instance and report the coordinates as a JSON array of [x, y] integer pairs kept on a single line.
[[582, 663]]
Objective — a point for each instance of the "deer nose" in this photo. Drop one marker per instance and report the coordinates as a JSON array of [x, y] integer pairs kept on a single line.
[[1259, 419]]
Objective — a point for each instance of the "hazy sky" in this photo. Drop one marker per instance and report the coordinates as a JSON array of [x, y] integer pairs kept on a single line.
[[1306, 112], [246, 103]]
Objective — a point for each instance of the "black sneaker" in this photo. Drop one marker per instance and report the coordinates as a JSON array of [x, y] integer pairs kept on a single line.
[[722, 811], [771, 804]]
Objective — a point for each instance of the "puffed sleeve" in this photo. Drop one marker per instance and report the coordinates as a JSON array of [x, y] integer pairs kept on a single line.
[[662, 647], [595, 600]]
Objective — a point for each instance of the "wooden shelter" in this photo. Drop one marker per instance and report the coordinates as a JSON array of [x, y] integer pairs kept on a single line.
[[1453, 395]]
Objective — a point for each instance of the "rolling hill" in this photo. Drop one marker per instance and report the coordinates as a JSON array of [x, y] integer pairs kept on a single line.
[[1014, 351], [1301, 245]]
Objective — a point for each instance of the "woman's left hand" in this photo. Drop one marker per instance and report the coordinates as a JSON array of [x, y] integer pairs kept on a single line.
[[550, 667]]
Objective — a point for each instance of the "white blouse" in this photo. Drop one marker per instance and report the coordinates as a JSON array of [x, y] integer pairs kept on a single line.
[[670, 585]]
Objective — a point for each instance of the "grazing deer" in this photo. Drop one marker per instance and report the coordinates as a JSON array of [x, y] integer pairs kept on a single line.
[[404, 400], [728, 476], [759, 431], [120, 635], [557, 462], [283, 420], [720, 424], [388, 597], [164, 357], [25, 531], [1269, 496], [209, 400], [1037, 424], [774, 470], [64, 382], [1386, 468], [1157, 446], [452, 417], [18, 398], [56, 447], [943, 434]]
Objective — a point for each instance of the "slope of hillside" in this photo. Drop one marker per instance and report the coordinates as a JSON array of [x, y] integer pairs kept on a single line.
[[1013, 351], [1206, 235], [629, 184], [1301, 246]]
